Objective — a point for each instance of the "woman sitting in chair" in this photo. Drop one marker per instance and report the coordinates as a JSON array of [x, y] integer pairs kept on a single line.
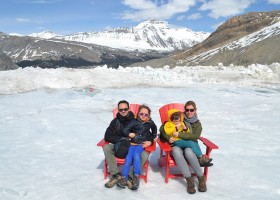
[[182, 155], [176, 126]]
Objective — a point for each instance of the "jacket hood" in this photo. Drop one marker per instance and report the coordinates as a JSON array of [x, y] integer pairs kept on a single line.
[[172, 111]]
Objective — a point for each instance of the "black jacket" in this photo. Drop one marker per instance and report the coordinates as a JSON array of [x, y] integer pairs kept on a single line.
[[145, 131], [114, 132]]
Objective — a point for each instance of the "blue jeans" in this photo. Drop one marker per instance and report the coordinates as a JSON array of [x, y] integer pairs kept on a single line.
[[133, 156], [189, 144]]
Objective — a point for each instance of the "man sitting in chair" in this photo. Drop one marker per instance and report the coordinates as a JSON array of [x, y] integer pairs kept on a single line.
[[112, 135]]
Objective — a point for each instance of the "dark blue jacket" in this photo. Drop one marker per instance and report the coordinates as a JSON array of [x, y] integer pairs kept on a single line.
[[145, 131], [114, 132]]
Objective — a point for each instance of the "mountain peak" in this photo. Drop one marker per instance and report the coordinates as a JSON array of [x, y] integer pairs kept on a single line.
[[47, 34], [151, 22], [158, 24]]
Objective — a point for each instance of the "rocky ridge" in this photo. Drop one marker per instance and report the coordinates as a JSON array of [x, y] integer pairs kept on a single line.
[[231, 31]]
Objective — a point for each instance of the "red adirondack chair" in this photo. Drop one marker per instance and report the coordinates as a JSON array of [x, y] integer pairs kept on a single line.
[[134, 108], [166, 160]]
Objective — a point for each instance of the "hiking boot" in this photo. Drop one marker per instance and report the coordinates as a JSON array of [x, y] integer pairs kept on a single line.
[[202, 184], [114, 179], [204, 161], [122, 182], [135, 182], [129, 183], [190, 186]]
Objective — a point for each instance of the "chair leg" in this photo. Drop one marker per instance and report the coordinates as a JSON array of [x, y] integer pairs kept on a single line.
[[105, 169], [146, 168], [166, 171], [206, 172]]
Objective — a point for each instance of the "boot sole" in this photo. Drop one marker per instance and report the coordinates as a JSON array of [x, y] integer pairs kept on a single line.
[[120, 186], [207, 165], [134, 188]]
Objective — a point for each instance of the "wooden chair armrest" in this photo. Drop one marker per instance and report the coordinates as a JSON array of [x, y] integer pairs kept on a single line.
[[208, 143], [101, 143], [151, 148], [163, 145]]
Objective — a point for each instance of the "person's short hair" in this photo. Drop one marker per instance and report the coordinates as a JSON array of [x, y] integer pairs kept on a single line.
[[123, 101], [175, 116]]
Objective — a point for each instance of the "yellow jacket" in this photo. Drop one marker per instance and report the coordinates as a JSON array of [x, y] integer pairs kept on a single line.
[[170, 128]]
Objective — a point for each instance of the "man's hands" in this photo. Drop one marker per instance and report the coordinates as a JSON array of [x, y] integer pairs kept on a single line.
[[131, 135]]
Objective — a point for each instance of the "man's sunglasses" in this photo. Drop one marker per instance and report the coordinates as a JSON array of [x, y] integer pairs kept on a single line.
[[189, 110], [123, 109]]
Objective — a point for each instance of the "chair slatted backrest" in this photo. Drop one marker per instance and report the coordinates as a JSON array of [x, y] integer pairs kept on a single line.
[[133, 108], [164, 110]]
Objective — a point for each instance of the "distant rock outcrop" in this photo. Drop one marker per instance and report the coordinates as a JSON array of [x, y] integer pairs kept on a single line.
[[6, 62]]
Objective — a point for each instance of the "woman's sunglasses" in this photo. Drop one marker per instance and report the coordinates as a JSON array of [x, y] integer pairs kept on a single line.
[[123, 109], [189, 110], [143, 114]]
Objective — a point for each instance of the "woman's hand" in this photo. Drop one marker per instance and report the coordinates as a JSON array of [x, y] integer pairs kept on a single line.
[[146, 144], [175, 134], [171, 140]]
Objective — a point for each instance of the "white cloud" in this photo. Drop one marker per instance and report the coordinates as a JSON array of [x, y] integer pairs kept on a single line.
[[222, 8], [140, 4], [181, 17], [147, 9], [194, 16], [22, 20], [273, 1]]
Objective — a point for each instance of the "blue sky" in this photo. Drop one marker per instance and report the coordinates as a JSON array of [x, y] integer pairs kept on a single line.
[[72, 16]]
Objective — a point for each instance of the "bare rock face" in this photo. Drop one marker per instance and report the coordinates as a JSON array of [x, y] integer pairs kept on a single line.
[[233, 29], [6, 62]]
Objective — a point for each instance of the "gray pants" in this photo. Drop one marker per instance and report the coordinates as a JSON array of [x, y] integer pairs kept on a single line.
[[108, 150], [182, 156]]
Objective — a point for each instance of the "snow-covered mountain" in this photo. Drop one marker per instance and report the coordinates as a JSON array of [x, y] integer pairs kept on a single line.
[[148, 35], [45, 35], [53, 53], [242, 40]]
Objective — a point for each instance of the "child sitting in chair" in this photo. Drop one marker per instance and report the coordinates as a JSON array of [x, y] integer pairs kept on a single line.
[[176, 126], [141, 131]]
